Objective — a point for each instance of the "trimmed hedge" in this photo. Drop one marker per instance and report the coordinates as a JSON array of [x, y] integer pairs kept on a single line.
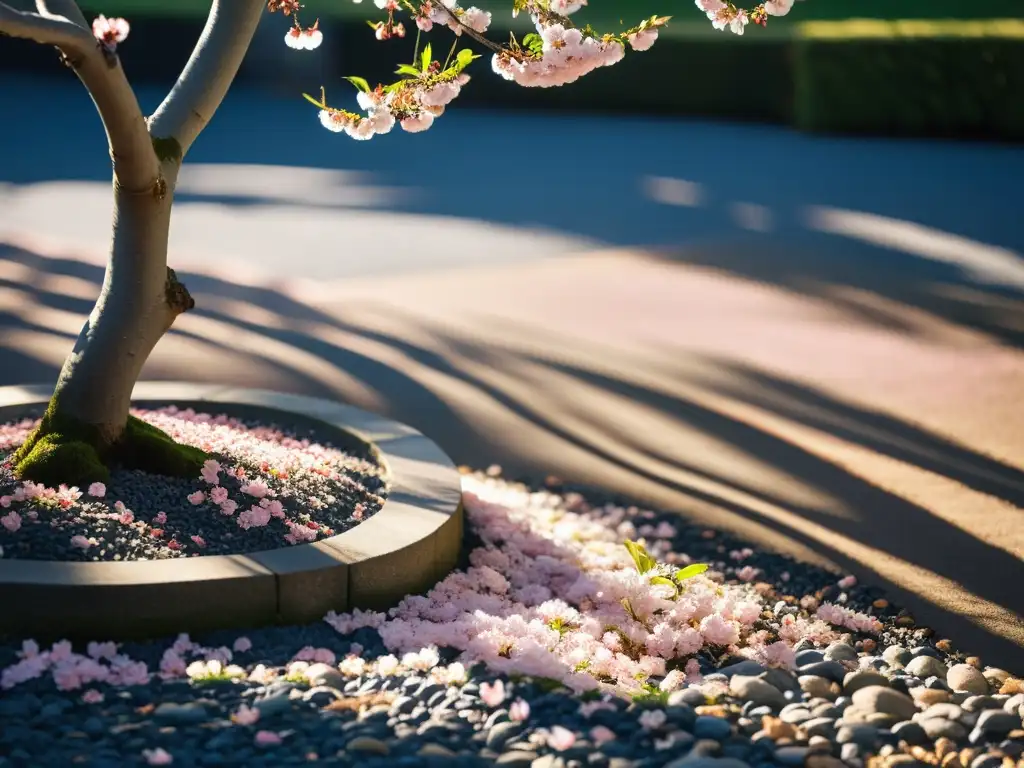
[[954, 79]]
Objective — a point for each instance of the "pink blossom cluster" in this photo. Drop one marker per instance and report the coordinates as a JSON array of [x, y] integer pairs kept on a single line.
[[563, 55], [552, 593], [414, 108], [726, 15], [447, 13], [70, 671], [848, 618], [567, 56]]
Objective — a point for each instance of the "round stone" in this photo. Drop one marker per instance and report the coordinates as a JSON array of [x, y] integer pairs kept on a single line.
[[367, 744], [816, 686], [863, 678], [910, 732], [939, 727], [925, 667], [994, 722], [756, 690], [981, 703], [897, 656], [876, 698], [840, 652], [707, 727], [947, 711], [831, 670], [820, 726], [964, 677], [864, 736]]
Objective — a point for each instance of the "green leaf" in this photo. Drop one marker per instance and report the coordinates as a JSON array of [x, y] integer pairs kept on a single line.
[[465, 56], [407, 69], [426, 57], [360, 83], [313, 101], [373, 25], [644, 562], [690, 571], [665, 582]]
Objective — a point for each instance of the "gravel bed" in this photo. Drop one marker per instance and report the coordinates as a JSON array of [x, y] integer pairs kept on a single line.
[[264, 488], [433, 685]]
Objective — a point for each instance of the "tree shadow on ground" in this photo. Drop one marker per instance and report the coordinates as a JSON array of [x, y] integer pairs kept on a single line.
[[879, 519], [869, 283]]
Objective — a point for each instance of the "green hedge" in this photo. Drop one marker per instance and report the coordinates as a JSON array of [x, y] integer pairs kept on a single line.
[[914, 78]]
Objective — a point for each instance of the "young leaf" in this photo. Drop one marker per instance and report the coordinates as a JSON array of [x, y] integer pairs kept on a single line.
[[314, 102], [360, 83], [643, 561], [690, 571], [665, 582], [465, 57], [426, 58], [406, 69]]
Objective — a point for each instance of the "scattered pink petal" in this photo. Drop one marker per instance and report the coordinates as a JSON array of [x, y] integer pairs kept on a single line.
[[92, 696], [242, 645], [158, 756], [519, 711], [199, 541], [97, 490], [492, 694], [197, 498], [246, 715], [561, 739], [600, 735], [267, 739], [81, 542]]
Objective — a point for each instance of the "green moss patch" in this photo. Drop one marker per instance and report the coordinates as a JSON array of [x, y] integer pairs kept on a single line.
[[64, 450]]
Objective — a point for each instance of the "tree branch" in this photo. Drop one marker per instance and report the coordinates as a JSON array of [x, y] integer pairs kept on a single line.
[[209, 71], [136, 167], [45, 28], [67, 8]]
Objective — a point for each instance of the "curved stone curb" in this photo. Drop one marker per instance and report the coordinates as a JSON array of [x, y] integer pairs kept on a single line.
[[405, 548]]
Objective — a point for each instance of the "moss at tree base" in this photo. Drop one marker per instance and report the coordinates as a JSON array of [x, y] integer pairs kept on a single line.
[[62, 450], [145, 447]]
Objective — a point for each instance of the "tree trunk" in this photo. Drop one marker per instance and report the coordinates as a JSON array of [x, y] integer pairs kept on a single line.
[[87, 428], [138, 302]]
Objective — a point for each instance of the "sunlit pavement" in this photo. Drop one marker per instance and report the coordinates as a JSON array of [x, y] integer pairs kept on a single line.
[[813, 341]]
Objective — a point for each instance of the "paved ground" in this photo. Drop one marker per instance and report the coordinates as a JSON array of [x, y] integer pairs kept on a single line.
[[816, 342]]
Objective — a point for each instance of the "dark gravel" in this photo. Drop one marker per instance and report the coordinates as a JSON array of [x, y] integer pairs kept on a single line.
[[47, 528], [847, 705]]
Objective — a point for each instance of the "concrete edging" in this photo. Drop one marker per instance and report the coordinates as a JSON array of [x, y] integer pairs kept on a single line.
[[407, 547]]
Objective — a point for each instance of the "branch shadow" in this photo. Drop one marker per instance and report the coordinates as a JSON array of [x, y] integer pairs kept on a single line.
[[878, 519]]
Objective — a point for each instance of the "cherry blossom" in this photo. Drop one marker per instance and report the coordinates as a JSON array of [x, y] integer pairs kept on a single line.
[[110, 32], [304, 39]]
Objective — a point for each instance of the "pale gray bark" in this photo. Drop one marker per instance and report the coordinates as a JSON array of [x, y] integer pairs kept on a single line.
[[140, 296], [209, 71]]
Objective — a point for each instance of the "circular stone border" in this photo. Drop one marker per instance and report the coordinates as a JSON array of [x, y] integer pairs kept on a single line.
[[409, 545]]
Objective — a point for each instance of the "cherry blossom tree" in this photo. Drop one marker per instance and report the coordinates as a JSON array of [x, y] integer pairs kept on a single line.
[[87, 427]]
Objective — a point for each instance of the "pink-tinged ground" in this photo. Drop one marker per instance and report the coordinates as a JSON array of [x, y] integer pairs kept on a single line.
[[288, 489], [551, 592]]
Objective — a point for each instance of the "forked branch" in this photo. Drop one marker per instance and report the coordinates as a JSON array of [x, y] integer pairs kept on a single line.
[[209, 72], [136, 167]]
